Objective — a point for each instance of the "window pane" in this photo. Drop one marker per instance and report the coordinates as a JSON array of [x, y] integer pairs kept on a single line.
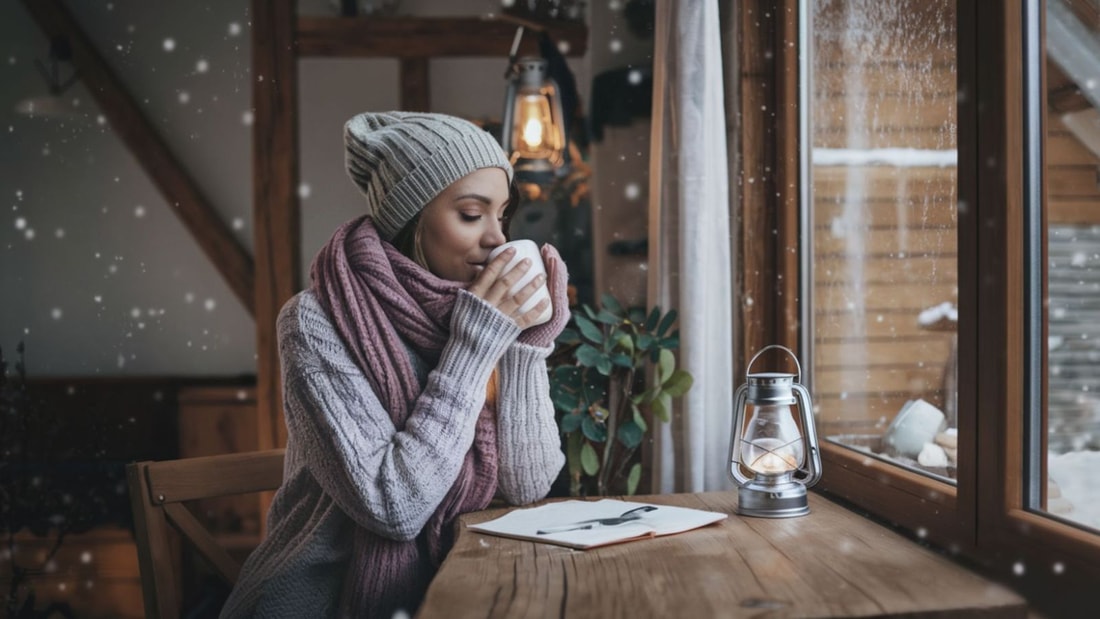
[[883, 211], [1073, 265]]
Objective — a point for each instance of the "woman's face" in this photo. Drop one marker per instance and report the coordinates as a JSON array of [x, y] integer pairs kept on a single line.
[[464, 223]]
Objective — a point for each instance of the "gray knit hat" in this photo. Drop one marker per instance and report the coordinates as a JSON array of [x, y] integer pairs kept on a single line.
[[402, 160]]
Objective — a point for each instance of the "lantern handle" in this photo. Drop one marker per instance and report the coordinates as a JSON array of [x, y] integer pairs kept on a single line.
[[788, 350]]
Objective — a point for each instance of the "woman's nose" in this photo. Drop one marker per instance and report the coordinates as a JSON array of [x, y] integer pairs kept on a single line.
[[494, 235]]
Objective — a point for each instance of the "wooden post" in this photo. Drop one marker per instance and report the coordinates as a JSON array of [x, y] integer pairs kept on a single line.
[[275, 198], [415, 85]]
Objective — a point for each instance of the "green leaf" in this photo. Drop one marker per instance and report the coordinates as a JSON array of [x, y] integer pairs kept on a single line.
[[589, 461], [595, 432], [568, 336], [630, 434], [636, 315], [654, 316], [593, 386], [665, 366], [621, 360], [570, 423], [588, 310], [604, 365], [568, 376], [611, 304], [672, 342], [589, 329], [639, 418], [645, 341], [564, 401], [608, 318], [678, 384], [573, 453], [662, 407], [666, 322], [588, 355], [625, 342], [634, 477]]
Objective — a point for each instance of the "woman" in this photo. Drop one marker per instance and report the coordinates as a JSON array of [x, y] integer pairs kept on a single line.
[[414, 389]]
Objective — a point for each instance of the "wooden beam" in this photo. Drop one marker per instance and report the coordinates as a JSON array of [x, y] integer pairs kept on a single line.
[[759, 145], [415, 85], [150, 150], [419, 37], [275, 198]]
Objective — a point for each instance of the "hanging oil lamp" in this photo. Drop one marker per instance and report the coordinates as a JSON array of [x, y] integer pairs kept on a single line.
[[771, 446]]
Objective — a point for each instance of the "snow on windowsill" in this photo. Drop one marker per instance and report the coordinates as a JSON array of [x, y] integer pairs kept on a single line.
[[1075, 474], [896, 157]]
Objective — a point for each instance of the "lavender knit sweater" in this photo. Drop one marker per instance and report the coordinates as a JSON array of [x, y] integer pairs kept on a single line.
[[340, 472]]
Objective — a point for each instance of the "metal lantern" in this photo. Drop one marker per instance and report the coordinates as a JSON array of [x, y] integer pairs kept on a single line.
[[771, 446], [533, 131]]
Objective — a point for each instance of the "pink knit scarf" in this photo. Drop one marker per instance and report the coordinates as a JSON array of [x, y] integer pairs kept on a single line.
[[380, 300]]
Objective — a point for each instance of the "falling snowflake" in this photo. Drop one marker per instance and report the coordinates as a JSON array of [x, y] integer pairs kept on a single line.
[[634, 77], [632, 191], [184, 97], [304, 191], [247, 118], [209, 304], [615, 46], [564, 47], [234, 29], [1018, 568], [55, 313], [169, 44], [59, 233], [139, 211], [20, 223], [238, 223], [202, 66]]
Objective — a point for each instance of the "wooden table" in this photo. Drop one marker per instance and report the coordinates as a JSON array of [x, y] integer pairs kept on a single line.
[[831, 563]]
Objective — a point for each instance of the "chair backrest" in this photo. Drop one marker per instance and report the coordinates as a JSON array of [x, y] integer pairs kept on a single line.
[[157, 493]]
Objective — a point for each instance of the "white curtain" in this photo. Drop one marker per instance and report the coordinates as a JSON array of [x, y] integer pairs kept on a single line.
[[690, 255]]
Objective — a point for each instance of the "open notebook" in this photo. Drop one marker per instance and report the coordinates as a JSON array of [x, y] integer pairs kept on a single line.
[[588, 524]]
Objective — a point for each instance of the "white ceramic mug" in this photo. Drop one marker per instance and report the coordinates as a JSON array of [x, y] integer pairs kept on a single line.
[[917, 423], [527, 249]]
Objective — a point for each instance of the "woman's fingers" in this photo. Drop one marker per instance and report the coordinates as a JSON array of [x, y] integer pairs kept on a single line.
[[500, 292], [528, 318], [490, 273]]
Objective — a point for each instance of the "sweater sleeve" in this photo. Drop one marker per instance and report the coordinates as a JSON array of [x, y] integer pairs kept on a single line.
[[528, 441], [387, 481]]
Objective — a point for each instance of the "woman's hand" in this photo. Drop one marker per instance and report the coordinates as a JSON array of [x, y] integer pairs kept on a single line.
[[493, 286], [558, 284]]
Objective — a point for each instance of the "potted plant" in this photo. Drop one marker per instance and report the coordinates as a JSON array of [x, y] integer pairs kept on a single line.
[[605, 404]]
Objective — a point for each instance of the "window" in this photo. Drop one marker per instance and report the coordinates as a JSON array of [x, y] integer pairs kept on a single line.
[[1071, 320], [880, 216], [948, 240]]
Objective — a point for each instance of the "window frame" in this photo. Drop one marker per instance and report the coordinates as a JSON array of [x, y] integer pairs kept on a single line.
[[984, 518]]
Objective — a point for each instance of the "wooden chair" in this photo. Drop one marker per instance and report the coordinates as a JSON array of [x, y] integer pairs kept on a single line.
[[157, 493]]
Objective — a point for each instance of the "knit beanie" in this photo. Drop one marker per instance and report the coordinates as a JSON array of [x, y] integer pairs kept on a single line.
[[402, 160]]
